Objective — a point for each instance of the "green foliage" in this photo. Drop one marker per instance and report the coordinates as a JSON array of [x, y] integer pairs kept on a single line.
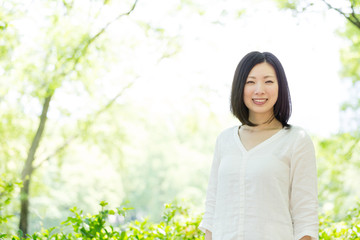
[[8, 34], [296, 6], [61, 48], [338, 170], [8, 187], [6, 190], [348, 228], [350, 57], [286, 4], [178, 224]]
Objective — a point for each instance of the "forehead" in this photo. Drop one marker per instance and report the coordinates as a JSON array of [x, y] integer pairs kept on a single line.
[[262, 70]]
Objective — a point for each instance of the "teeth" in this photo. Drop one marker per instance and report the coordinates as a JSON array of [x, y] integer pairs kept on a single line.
[[259, 101]]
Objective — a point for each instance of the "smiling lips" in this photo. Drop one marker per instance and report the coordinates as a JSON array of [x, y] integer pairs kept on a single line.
[[260, 101]]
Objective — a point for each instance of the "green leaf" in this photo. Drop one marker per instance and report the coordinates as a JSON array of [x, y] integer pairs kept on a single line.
[[103, 203]]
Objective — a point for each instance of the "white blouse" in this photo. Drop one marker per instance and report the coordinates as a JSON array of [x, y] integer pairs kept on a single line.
[[268, 192]]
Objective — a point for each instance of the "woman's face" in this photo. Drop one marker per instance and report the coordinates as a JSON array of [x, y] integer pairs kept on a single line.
[[261, 91]]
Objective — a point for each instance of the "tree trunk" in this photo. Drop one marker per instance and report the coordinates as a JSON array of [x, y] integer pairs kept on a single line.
[[23, 226], [28, 168]]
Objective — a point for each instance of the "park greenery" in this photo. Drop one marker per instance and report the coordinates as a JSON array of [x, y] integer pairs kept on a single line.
[[73, 136]]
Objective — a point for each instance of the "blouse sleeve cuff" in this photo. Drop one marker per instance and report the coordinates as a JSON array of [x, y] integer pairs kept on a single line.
[[313, 235], [205, 226]]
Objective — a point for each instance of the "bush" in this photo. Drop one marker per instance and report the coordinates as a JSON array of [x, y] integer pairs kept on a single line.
[[348, 228], [177, 224]]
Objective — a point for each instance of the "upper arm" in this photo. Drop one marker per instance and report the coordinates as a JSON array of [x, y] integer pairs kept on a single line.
[[303, 194], [207, 222]]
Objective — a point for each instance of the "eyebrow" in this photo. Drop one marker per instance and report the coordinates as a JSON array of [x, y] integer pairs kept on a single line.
[[266, 76]]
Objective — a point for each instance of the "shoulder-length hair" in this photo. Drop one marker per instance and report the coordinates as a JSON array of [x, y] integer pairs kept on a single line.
[[282, 107]]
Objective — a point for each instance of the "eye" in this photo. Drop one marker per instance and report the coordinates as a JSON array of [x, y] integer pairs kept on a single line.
[[269, 81], [250, 82]]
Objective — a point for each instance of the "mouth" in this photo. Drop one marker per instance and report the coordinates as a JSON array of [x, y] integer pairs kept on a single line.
[[259, 101]]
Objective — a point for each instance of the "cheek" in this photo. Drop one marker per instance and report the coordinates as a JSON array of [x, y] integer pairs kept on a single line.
[[247, 96], [247, 91], [275, 92]]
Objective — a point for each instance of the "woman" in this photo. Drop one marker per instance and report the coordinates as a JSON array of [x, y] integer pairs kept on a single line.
[[263, 180]]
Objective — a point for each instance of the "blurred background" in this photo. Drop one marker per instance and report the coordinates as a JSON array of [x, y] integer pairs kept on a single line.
[[121, 101]]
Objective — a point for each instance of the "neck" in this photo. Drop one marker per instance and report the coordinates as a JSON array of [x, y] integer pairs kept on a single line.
[[263, 118], [264, 123]]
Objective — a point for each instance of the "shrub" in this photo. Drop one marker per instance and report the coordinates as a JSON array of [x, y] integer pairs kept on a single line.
[[177, 224], [348, 228]]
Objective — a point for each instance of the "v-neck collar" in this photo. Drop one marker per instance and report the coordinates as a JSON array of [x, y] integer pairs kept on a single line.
[[263, 143]]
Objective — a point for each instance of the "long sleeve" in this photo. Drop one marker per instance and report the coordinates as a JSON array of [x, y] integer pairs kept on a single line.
[[207, 222], [303, 191]]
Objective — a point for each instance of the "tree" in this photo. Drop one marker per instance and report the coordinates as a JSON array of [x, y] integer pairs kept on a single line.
[[66, 54]]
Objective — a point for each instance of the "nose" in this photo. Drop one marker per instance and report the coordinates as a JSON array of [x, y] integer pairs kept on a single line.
[[260, 88]]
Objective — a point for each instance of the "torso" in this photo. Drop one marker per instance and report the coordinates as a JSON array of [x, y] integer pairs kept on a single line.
[[253, 187]]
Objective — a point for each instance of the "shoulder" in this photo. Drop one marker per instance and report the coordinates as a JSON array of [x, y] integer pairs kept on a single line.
[[228, 132], [226, 135], [297, 132], [300, 137]]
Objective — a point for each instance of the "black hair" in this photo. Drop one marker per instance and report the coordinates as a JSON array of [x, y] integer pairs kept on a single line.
[[282, 107]]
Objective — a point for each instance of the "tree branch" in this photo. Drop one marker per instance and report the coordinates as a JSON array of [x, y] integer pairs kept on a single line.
[[350, 152], [352, 18], [67, 142], [98, 34], [355, 17], [111, 101], [57, 150], [352, 3]]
